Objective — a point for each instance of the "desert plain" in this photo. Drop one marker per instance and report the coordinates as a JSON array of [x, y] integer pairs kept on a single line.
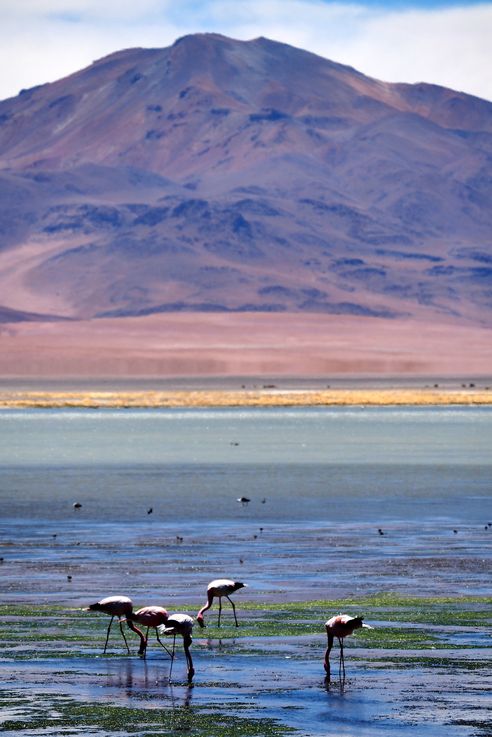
[[243, 359]]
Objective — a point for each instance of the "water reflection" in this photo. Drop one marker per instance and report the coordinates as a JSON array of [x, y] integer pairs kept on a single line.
[[131, 678], [332, 686]]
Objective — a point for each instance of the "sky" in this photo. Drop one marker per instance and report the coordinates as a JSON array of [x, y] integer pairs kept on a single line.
[[446, 42]]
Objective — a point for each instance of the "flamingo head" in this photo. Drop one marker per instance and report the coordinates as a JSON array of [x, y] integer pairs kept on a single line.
[[200, 620]]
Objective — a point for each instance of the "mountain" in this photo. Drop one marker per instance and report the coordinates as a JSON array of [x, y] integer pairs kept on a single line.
[[229, 176]]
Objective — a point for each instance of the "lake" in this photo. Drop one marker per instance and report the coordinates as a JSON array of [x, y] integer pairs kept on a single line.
[[344, 502]]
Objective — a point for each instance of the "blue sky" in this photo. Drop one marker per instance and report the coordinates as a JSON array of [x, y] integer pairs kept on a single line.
[[444, 42]]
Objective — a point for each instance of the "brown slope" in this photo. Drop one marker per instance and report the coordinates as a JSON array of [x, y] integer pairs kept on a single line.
[[234, 176]]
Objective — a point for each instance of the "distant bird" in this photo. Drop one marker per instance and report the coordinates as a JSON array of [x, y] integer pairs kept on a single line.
[[121, 607], [380, 531], [179, 624], [219, 588], [149, 510], [69, 578], [340, 626], [149, 616], [243, 500], [77, 505]]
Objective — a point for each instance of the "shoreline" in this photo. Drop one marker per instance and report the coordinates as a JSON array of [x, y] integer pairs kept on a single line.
[[266, 397]]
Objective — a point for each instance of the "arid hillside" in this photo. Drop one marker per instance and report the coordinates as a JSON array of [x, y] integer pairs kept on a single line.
[[227, 176]]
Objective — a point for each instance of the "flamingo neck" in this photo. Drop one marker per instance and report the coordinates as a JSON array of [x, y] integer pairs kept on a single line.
[[139, 633]]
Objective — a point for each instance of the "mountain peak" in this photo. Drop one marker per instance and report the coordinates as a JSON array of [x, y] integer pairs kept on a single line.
[[228, 175]]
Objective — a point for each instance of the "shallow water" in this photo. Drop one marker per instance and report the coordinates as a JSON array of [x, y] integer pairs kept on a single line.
[[344, 503], [260, 678]]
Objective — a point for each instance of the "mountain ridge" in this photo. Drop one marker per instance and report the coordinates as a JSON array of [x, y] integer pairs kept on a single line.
[[229, 176]]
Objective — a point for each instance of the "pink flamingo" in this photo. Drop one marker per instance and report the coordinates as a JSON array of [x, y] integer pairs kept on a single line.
[[150, 616], [121, 607], [219, 588], [179, 624], [340, 626]]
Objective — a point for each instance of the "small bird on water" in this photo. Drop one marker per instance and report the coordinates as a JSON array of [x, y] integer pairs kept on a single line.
[[340, 626], [217, 589]]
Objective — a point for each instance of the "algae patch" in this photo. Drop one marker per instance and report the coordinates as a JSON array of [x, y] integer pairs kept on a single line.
[[64, 716]]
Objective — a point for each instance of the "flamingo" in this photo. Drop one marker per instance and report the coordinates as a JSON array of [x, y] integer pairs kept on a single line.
[[219, 588], [121, 607], [149, 616], [179, 624], [341, 626]]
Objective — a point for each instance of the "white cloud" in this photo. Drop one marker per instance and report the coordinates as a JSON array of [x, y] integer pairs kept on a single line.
[[89, 10], [449, 47], [42, 40]]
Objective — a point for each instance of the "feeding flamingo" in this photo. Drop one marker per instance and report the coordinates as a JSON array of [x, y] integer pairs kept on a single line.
[[340, 626], [150, 616], [121, 607], [219, 588], [179, 624]]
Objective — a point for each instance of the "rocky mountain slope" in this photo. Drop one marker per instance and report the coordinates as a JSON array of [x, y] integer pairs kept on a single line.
[[222, 175]]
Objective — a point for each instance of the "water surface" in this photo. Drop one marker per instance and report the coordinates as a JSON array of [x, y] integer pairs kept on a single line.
[[343, 502]]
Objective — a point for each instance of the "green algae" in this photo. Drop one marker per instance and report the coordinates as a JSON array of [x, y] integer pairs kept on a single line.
[[462, 610], [65, 716], [53, 631], [45, 623], [431, 662]]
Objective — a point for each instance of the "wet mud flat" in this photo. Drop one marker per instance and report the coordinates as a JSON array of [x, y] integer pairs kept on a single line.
[[425, 669]]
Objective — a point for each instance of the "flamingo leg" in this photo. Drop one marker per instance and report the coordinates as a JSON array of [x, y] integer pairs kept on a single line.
[[327, 656], [234, 610], [342, 660], [220, 609], [186, 646], [107, 635], [172, 657], [123, 635], [162, 644]]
